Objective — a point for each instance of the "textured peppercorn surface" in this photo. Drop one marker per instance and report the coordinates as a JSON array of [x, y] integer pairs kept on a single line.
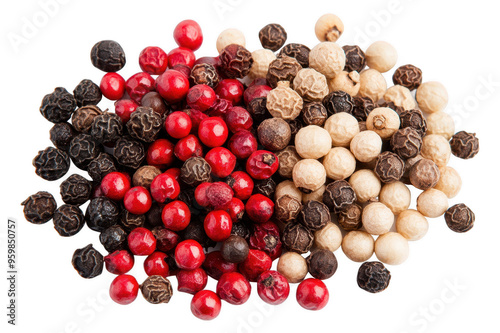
[[339, 195], [338, 101], [88, 262], [107, 128], [61, 135], [39, 207], [315, 215], [373, 277], [314, 113], [297, 238], [195, 171], [87, 93], [459, 218], [51, 163], [101, 214], [58, 106], [258, 109], [235, 61], [355, 59], [322, 264], [157, 289], [350, 218], [68, 220], [272, 36], [389, 167], [406, 142], [266, 187], [75, 190], [131, 221], [83, 118], [101, 166], [108, 56], [129, 152], [414, 119], [144, 124], [274, 134], [114, 238], [408, 76], [204, 74], [298, 51], [362, 107], [83, 149], [283, 68], [464, 145]]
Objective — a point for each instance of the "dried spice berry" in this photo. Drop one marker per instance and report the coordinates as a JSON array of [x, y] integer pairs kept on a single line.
[[362, 107], [234, 249], [129, 152], [408, 76], [274, 134], [464, 145], [157, 289], [459, 218], [295, 126], [314, 215], [272, 36], [166, 240], [131, 221], [338, 101], [314, 114], [61, 135], [241, 229], [108, 56], [58, 106], [87, 93], [266, 187], [204, 74], [424, 174], [154, 100], [195, 171], [389, 167], [107, 128], [373, 277], [83, 149], [339, 195], [39, 207], [88, 262], [287, 208], [287, 157], [144, 124], [145, 175], [414, 119], [297, 238], [350, 217], [51, 163], [76, 190], [235, 61], [297, 51], [392, 106], [196, 231], [101, 214], [406, 142], [322, 264], [283, 68], [258, 109], [83, 118], [266, 237], [114, 238], [101, 166], [68, 220], [355, 59]]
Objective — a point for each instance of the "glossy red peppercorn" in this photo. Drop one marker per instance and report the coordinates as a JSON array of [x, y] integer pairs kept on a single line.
[[218, 195], [153, 60], [174, 172], [241, 183], [255, 264], [160, 153], [112, 86], [238, 118], [235, 208], [191, 281], [213, 132], [181, 55], [156, 264], [221, 160], [141, 242], [176, 215], [233, 288], [164, 187], [166, 240], [218, 225], [262, 164], [206, 305], [188, 147], [139, 85], [189, 255], [230, 89], [114, 185], [124, 108], [312, 294], [215, 265], [119, 262], [200, 194], [172, 85], [242, 144], [188, 34], [273, 288], [201, 97], [178, 124], [259, 208], [266, 237], [137, 200], [220, 108], [196, 118], [256, 91], [124, 289]]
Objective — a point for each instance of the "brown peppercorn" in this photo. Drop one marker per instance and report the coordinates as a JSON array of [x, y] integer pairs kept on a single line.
[[61, 135], [75, 190], [362, 107], [339, 195], [283, 68], [338, 101], [68, 220], [83, 118], [459, 218], [314, 114], [297, 51], [287, 157], [144, 176], [408, 76], [154, 100], [350, 218], [144, 124], [39, 207], [322, 264], [234, 249], [83, 149], [464, 145], [266, 187], [195, 171], [274, 134], [129, 153], [406, 142], [87, 93], [51, 163], [204, 74], [389, 167], [101, 166], [258, 109], [373, 277], [315, 215], [157, 289], [272, 36], [414, 119], [287, 208], [235, 61], [295, 126], [131, 221], [297, 238], [391, 105], [107, 128], [424, 174], [355, 59]]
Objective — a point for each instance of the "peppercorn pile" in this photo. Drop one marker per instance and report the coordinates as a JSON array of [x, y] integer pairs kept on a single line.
[[218, 166]]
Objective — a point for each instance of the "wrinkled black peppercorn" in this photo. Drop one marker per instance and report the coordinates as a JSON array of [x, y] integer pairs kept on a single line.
[[113, 238], [108, 56], [241, 229], [414, 119], [68, 220], [322, 264], [144, 124], [204, 74], [355, 59], [406, 142], [76, 190], [274, 134], [297, 238], [350, 218], [272, 36], [51, 163], [315, 215], [101, 166], [459, 218], [258, 109], [314, 114], [287, 208], [107, 128], [87, 93], [131, 221], [297, 51], [338, 101], [129, 152], [235, 249], [362, 107], [101, 214], [39, 207], [195, 171], [88, 262], [339, 195], [83, 118], [83, 149], [283, 68], [266, 187], [373, 277], [61, 135], [235, 61], [408, 76], [392, 106], [58, 106], [464, 145], [389, 167], [157, 289]]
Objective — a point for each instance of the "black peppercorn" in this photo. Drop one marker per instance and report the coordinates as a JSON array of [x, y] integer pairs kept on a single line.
[[408, 76], [339, 195], [108, 56], [68, 220], [235, 61], [83, 118], [241, 229], [389, 167], [113, 238], [459, 218], [157, 289], [87, 93], [154, 100], [297, 238], [39, 207], [107, 128], [314, 114], [187, 196], [338, 101], [373, 277], [283, 68], [234, 249], [315, 215], [144, 124], [287, 157], [196, 231], [406, 142], [76, 190], [392, 106], [322, 264], [464, 145], [129, 152], [266, 187], [414, 119], [58, 106], [61, 135], [131, 221], [272, 36], [355, 59], [195, 171], [274, 134], [287, 208], [362, 107], [83, 149], [88, 262], [295, 126], [101, 214], [258, 109], [153, 216], [297, 51], [204, 74], [350, 217], [51, 163], [101, 166]]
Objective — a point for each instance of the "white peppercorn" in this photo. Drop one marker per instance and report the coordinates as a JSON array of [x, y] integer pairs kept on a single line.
[[366, 185], [396, 196], [287, 187], [314, 195], [328, 58], [308, 175], [400, 96], [381, 56], [377, 218], [339, 163], [358, 245], [392, 248], [366, 146], [312, 142], [311, 85], [328, 238], [372, 84], [329, 27], [441, 123], [432, 203], [436, 148], [261, 60], [383, 121], [432, 97], [345, 81], [449, 182], [284, 102], [228, 37], [342, 128], [292, 266], [412, 225]]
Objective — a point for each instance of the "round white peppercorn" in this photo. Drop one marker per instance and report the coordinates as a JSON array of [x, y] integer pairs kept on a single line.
[[228, 37], [328, 238], [432, 203], [284, 102], [308, 175], [440, 123], [342, 128], [366, 184], [261, 60], [314, 195], [345, 81], [339, 163], [377, 218], [328, 58], [412, 225], [392, 248], [329, 27], [436, 148], [358, 245], [449, 182], [432, 97], [400, 96], [312, 142], [366, 146], [383, 121], [287, 187], [396, 196], [381, 56], [311, 85], [372, 84], [292, 266]]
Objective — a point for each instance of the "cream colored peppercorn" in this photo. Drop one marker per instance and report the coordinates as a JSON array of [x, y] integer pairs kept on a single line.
[[412, 225], [342, 128], [287, 187], [400, 96], [372, 84], [284, 102], [449, 182], [329, 27], [432, 203], [396, 196], [309, 175], [228, 37], [377, 218], [366, 146], [292, 266], [261, 60], [366, 185], [436, 148], [345, 81], [311, 85], [383, 121], [328, 238], [392, 248], [312, 142], [381, 56], [328, 58], [440, 123], [358, 245], [314, 195], [339, 163], [432, 97]]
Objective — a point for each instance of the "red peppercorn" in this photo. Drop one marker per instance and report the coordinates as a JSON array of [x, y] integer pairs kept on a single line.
[[137, 200], [181, 55], [201, 97], [233, 288], [200, 194], [218, 195], [114, 185], [221, 160], [312, 294], [215, 265], [235, 208], [172, 85], [189, 255], [220, 108], [273, 288], [218, 225], [164, 187], [262, 164], [241, 184], [119, 262], [185, 70], [188, 34], [213, 132], [196, 118], [188, 147], [256, 91], [139, 85], [174, 172], [166, 240], [124, 289], [124, 108], [141, 242], [242, 144], [238, 118], [266, 237], [260, 81], [160, 153], [176, 215], [230, 89], [206, 305], [178, 124], [112, 86], [259, 208], [191, 281], [255, 264], [156, 264], [153, 60]]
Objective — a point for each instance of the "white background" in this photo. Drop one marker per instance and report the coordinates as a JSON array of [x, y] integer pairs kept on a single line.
[[455, 42]]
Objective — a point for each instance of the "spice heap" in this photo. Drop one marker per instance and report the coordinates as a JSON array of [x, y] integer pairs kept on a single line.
[[184, 172]]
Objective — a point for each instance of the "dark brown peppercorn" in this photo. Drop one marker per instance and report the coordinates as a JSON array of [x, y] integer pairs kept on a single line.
[[355, 59], [61, 135], [113, 238], [459, 218], [88, 262], [258, 109], [389, 167], [406, 142], [297, 51], [392, 106], [68, 220], [362, 108], [339, 195], [101, 214], [108, 56], [204, 74], [39, 207], [187, 196], [414, 119], [274, 134], [297, 238], [241, 229], [144, 124], [58, 106], [338, 101], [350, 218], [266, 187], [129, 152], [101, 166], [235, 61], [272, 36], [288, 157], [144, 176], [315, 215], [153, 216], [373, 277], [287, 208], [83, 149], [87, 93], [408, 76], [234, 249], [283, 68], [131, 221], [322, 264], [196, 231], [76, 190], [107, 128], [166, 240], [157, 290], [314, 114], [83, 118], [295, 126], [195, 171], [51, 163], [424, 174], [464, 145], [154, 100]]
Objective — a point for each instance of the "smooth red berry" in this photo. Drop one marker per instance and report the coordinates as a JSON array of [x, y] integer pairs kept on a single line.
[[266, 237], [206, 305], [255, 264], [141, 242], [164, 187], [124, 289], [174, 172], [218, 225], [262, 164], [188, 34], [218, 195], [137, 200], [196, 118], [238, 118], [256, 91], [215, 265], [191, 281], [181, 55], [188, 147], [172, 85], [114, 185], [312, 294], [221, 160], [124, 108], [156, 264], [189, 255], [234, 288], [230, 89], [176, 215], [200, 194], [139, 85], [235, 208], [242, 144], [166, 240], [178, 124], [259, 208], [201, 97], [153, 60], [112, 86], [119, 262], [242, 184], [273, 288], [213, 132], [160, 153]]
